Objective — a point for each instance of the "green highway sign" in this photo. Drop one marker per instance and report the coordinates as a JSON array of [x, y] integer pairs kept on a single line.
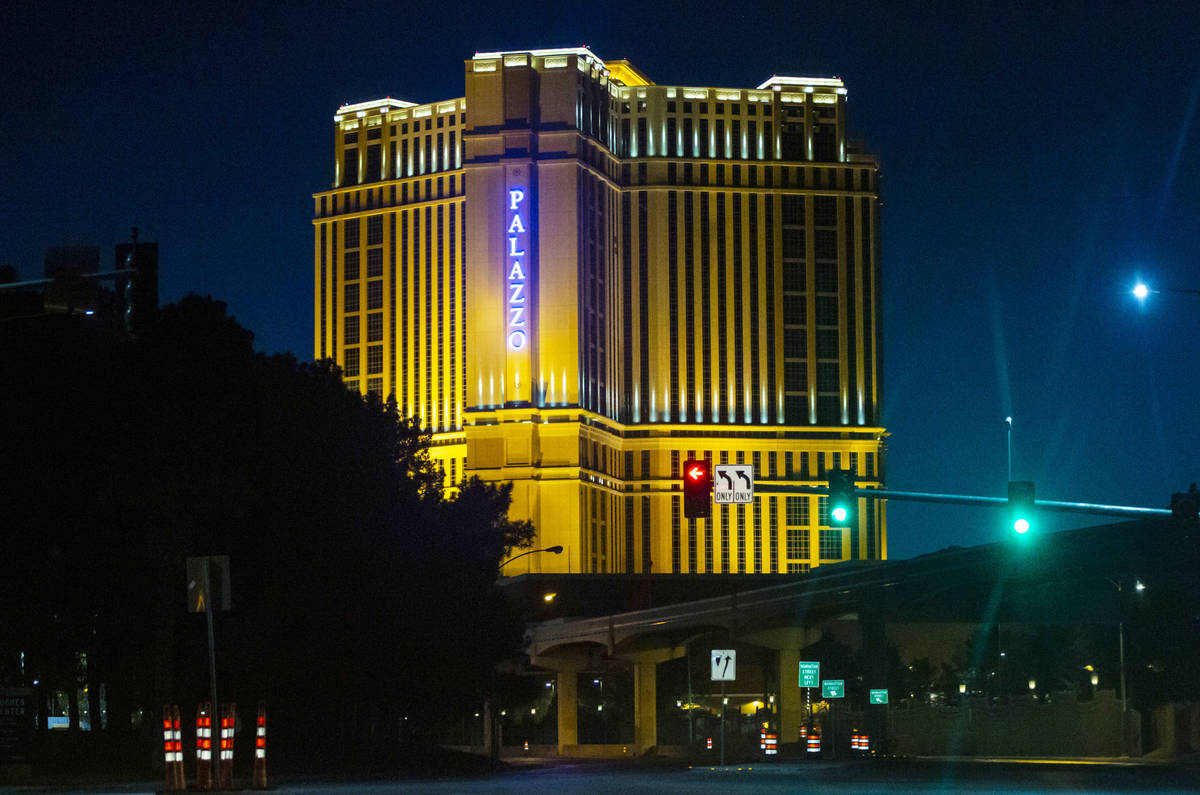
[[810, 674], [833, 688], [879, 696]]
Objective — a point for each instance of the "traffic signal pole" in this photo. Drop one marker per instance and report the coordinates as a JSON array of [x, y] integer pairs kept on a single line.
[[966, 499]]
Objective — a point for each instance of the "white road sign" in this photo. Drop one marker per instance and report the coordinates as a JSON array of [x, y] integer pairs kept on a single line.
[[724, 665], [733, 483]]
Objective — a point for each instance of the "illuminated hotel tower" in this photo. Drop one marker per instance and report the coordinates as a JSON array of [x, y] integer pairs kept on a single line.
[[577, 279]]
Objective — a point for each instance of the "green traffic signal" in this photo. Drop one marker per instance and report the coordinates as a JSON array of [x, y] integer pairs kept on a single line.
[[1021, 505], [842, 500]]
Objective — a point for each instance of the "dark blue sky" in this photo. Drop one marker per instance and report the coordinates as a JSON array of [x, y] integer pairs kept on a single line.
[[1036, 157]]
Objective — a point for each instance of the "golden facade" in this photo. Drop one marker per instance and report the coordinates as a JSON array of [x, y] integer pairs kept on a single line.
[[577, 279]]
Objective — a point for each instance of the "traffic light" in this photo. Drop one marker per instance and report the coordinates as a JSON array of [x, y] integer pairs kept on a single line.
[[1020, 505], [140, 293], [843, 503], [1185, 505], [697, 489]]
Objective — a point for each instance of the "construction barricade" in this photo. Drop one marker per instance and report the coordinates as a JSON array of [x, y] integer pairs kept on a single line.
[[228, 727], [813, 743], [768, 742], [173, 749], [259, 779], [204, 747]]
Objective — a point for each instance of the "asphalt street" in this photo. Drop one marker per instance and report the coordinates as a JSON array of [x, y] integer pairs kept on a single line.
[[865, 776]]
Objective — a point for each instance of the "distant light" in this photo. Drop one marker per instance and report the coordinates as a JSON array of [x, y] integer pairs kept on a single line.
[[839, 513], [1095, 679], [89, 312], [595, 681], [547, 684], [962, 688], [1033, 684], [550, 596], [1021, 525], [1140, 291], [533, 711], [1140, 586], [599, 707]]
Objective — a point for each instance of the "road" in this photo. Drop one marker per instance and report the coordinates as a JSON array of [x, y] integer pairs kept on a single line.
[[872, 776]]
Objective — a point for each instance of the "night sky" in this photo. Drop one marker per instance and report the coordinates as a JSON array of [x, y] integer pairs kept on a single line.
[[1037, 158]]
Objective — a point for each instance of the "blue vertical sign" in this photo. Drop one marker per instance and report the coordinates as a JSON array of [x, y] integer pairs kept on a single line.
[[517, 304], [519, 282]]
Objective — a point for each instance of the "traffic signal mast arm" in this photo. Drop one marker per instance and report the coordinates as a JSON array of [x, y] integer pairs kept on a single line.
[[965, 499]]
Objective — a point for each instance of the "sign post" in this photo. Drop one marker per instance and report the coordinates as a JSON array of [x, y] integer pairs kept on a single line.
[[833, 688], [208, 582], [724, 669]]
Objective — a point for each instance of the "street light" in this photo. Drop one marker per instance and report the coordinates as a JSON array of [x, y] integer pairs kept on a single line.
[[556, 549], [1141, 291]]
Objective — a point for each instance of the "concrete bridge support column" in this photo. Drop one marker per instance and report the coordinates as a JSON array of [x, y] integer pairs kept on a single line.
[[567, 683], [645, 706], [791, 696]]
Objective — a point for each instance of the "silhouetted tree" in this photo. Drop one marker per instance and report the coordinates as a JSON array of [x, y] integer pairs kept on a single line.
[[362, 594]]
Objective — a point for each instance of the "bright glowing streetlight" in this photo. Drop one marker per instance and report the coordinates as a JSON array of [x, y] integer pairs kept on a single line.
[[1141, 291]]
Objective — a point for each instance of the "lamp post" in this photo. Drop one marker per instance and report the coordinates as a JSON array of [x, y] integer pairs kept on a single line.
[[556, 549], [1139, 587]]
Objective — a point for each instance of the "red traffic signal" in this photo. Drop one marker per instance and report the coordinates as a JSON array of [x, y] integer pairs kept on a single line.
[[697, 489]]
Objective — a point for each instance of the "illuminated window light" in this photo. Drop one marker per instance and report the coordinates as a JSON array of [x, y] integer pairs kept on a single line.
[[555, 62], [484, 66]]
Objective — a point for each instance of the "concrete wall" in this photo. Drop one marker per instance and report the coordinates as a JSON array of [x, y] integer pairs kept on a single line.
[[1063, 727]]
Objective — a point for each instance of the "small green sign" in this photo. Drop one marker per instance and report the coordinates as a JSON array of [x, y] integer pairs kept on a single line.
[[833, 688], [810, 674], [879, 696]]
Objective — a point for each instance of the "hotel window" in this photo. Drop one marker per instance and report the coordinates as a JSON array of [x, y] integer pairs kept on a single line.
[[374, 359], [350, 329], [831, 544], [350, 138], [774, 532], [374, 295], [374, 163], [797, 543], [797, 510], [350, 298], [375, 386], [350, 266], [374, 262], [374, 231], [350, 233], [350, 363], [374, 327]]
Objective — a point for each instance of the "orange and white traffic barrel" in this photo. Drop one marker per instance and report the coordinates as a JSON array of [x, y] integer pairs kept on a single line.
[[228, 727], [173, 749], [814, 741], [204, 746], [259, 780]]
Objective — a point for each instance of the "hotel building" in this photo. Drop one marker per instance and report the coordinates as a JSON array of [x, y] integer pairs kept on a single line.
[[578, 279]]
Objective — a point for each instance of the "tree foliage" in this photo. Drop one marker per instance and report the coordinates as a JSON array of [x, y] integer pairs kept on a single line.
[[362, 593]]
